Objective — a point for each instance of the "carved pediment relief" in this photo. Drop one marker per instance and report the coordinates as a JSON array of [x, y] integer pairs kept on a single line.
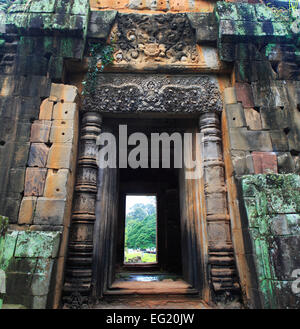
[[129, 93], [163, 38]]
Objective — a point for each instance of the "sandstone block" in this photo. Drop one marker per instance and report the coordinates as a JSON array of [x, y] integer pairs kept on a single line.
[[46, 110], [242, 162], [40, 131], [235, 115], [285, 162], [62, 131], [264, 162], [279, 140], [60, 156], [244, 94], [253, 119], [27, 210], [37, 244], [249, 140], [38, 155], [49, 211], [56, 183], [16, 180], [65, 93], [41, 279], [230, 95], [20, 154], [35, 181], [64, 111]]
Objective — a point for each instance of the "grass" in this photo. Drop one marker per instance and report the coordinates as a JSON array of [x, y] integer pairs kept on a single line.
[[146, 258]]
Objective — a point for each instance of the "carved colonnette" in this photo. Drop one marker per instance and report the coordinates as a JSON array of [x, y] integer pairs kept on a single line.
[[80, 253], [221, 260]]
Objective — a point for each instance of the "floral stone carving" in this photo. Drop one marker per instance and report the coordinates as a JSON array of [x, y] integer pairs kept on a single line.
[[130, 93], [163, 38]]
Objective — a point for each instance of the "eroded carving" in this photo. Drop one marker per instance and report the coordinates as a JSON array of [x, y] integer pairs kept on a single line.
[[159, 38], [156, 93]]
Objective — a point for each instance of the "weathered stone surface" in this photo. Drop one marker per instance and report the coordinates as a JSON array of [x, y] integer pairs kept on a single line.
[[248, 140], [100, 24], [274, 117], [279, 141], [37, 244], [264, 162], [38, 155], [242, 162], [271, 203], [18, 282], [60, 156], [156, 93], [41, 278], [244, 94], [285, 255], [288, 71], [270, 95], [235, 115], [27, 210], [46, 110], [205, 25], [62, 131], [40, 131], [7, 250], [56, 183], [65, 111], [35, 181], [286, 163], [230, 95], [21, 151], [285, 224], [253, 119], [65, 93], [16, 180], [49, 211]]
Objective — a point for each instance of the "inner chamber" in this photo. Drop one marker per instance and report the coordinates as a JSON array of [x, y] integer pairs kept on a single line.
[[166, 273]]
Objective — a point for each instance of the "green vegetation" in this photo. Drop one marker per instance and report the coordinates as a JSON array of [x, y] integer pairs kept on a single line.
[[140, 230], [101, 54], [145, 257]]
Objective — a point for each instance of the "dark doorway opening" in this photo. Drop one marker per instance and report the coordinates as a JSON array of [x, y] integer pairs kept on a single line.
[[175, 242]]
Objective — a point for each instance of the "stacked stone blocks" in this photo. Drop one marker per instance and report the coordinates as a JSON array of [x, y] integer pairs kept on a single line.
[[51, 159], [28, 259], [272, 234]]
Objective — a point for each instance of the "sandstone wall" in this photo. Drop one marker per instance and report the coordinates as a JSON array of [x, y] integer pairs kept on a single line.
[[261, 133], [242, 43], [154, 5]]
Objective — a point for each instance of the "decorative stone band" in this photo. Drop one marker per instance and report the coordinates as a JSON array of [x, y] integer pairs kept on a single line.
[[124, 93], [220, 250]]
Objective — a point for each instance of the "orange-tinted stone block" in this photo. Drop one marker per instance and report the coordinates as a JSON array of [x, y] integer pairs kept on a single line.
[[244, 94], [264, 162]]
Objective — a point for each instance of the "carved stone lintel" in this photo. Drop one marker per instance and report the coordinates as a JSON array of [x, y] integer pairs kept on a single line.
[[126, 93], [221, 255], [80, 251]]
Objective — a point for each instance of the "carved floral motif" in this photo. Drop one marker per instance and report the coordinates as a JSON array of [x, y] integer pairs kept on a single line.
[[159, 38], [156, 93]]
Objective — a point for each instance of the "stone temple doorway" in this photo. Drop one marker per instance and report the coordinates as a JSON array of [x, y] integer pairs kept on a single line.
[[203, 253], [165, 275]]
